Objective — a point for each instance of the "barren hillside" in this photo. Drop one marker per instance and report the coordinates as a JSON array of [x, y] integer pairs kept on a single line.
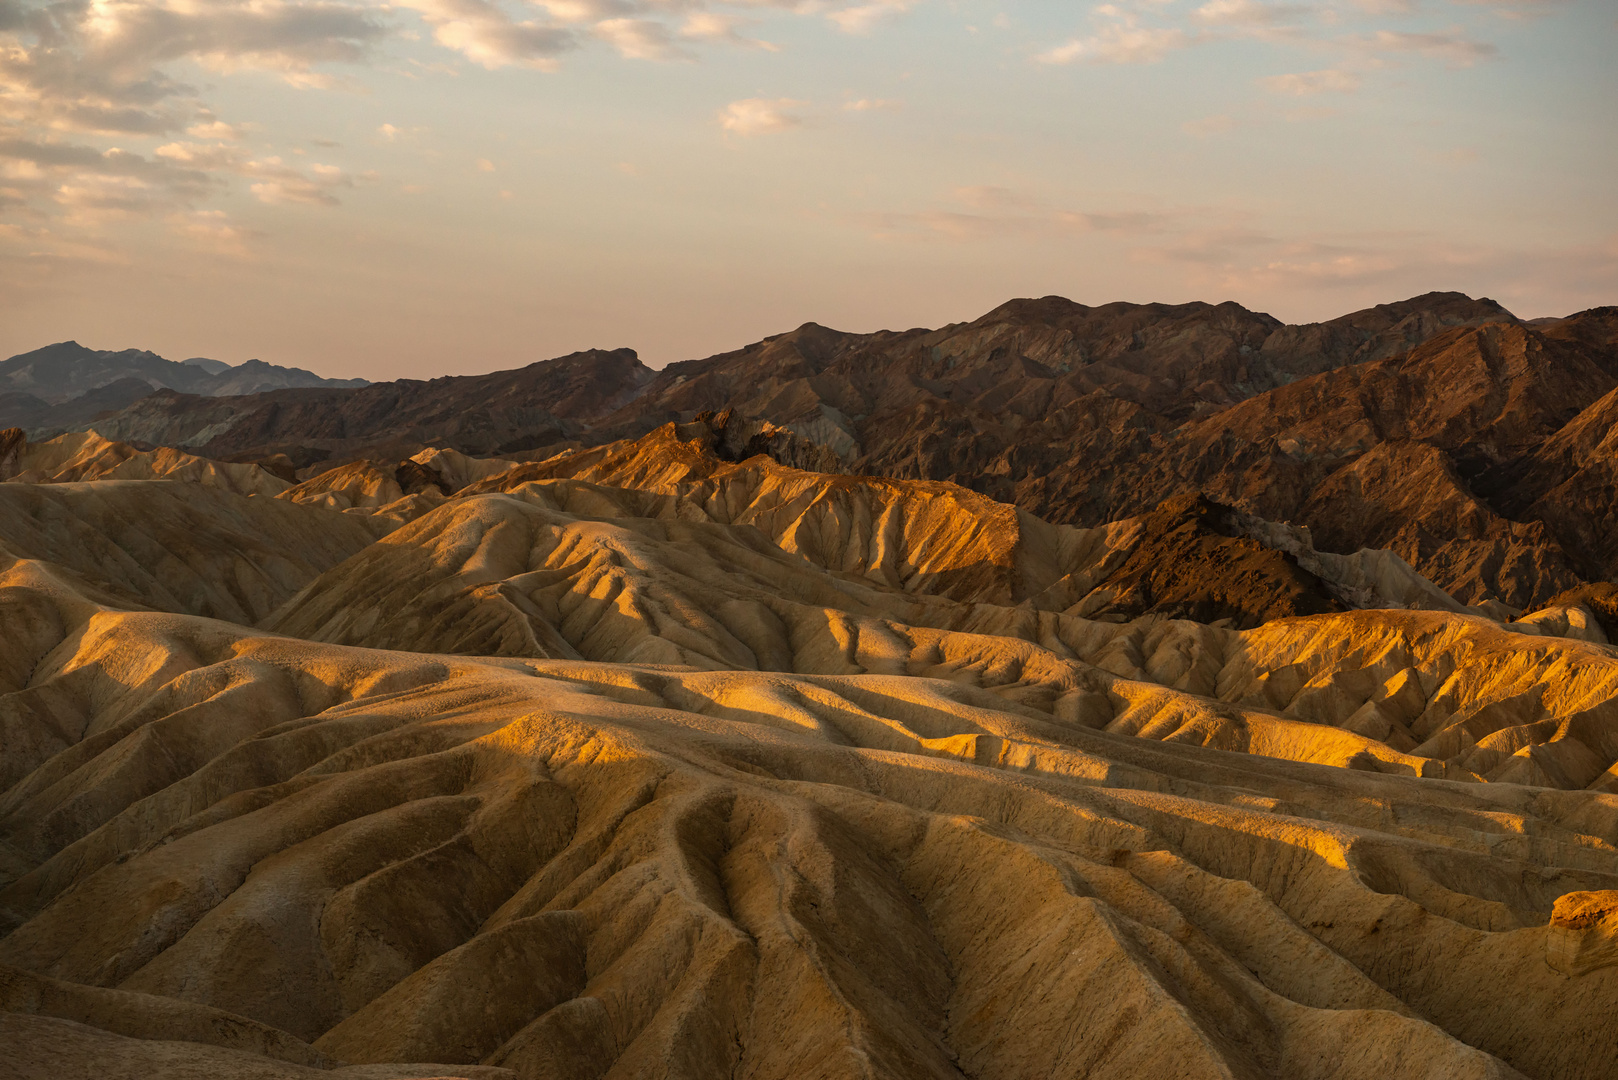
[[664, 758]]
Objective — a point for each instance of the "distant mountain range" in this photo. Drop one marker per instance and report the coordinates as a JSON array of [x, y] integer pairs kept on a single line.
[[66, 386], [1471, 443]]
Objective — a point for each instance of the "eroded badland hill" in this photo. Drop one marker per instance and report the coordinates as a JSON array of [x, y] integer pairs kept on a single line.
[[1126, 692]]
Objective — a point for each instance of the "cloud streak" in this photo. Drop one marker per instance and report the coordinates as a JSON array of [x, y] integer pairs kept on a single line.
[[1309, 83], [761, 116], [1146, 32]]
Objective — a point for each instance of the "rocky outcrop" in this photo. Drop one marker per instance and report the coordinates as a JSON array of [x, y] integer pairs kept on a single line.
[[13, 442], [1583, 933], [730, 768], [1427, 427]]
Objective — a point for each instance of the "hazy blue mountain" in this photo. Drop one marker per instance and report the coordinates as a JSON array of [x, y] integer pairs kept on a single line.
[[57, 374]]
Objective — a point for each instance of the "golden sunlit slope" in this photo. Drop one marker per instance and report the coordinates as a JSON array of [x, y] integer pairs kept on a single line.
[[87, 456], [545, 572], [576, 869], [921, 536], [642, 763]]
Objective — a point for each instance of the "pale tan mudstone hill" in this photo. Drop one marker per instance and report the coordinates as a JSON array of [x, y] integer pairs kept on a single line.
[[456, 470], [185, 547], [87, 456], [364, 487], [572, 869], [728, 769], [940, 538], [565, 570]]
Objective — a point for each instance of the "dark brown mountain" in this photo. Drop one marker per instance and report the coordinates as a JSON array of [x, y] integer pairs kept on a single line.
[[872, 398], [1027, 359], [507, 412], [1440, 427], [1451, 455], [58, 373], [43, 418]]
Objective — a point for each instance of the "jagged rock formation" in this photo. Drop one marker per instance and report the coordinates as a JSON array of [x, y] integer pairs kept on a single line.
[[13, 441], [1439, 428], [857, 821], [670, 757]]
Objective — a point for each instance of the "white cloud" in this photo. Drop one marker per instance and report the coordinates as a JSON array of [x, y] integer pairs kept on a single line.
[[215, 129], [710, 26], [211, 231], [276, 182], [863, 18], [640, 39], [1307, 83], [273, 180], [1451, 46], [77, 76], [1247, 13], [1123, 40], [1062, 54], [1146, 31], [1123, 44], [484, 33], [761, 116]]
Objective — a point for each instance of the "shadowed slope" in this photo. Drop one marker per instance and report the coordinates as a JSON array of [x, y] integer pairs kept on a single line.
[[696, 874], [925, 537], [753, 566], [504, 411], [175, 546], [642, 762]]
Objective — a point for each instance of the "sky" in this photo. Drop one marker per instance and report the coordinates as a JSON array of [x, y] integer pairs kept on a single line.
[[430, 187]]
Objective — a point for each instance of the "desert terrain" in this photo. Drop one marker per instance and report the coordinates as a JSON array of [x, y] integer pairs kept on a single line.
[[1126, 693]]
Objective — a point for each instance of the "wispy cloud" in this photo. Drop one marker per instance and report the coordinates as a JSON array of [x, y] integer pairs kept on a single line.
[[1121, 42], [761, 116], [863, 18], [1452, 46], [211, 231], [272, 179], [988, 211], [1146, 32], [1308, 83], [485, 33], [1248, 13], [872, 105], [711, 26], [640, 39]]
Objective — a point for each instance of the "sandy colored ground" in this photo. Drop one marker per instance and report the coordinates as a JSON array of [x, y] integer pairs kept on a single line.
[[752, 775]]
